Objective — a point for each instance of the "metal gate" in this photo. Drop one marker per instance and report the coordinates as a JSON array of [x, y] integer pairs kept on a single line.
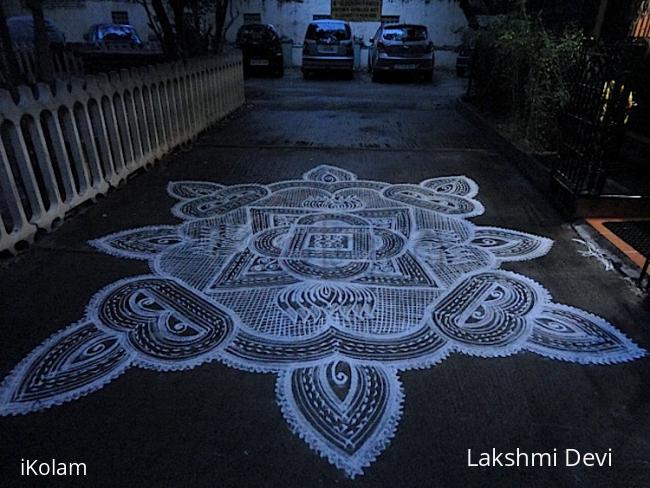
[[593, 124]]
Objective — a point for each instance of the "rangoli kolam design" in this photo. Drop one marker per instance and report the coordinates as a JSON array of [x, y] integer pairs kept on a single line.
[[331, 283]]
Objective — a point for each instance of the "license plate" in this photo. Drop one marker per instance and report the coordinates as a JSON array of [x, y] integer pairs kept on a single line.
[[259, 62], [327, 49], [405, 66]]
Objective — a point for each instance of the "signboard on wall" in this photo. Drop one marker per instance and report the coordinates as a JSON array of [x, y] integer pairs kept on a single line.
[[357, 10]]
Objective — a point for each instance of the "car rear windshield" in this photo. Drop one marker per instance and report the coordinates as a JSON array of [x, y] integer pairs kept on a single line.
[[256, 33], [117, 32], [406, 33], [337, 31]]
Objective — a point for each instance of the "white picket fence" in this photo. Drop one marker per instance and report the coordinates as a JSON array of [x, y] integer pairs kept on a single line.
[[62, 148]]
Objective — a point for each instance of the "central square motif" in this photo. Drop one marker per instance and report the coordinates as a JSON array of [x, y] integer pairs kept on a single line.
[[329, 241], [353, 243]]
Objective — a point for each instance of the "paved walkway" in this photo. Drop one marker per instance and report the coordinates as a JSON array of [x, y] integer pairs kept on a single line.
[[216, 426]]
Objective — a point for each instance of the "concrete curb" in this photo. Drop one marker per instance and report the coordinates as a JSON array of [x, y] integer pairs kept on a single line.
[[540, 174]]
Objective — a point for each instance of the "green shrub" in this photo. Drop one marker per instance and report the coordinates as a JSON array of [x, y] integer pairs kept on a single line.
[[521, 72]]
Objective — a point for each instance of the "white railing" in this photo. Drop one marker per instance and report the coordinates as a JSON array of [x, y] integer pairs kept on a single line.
[[64, 147]]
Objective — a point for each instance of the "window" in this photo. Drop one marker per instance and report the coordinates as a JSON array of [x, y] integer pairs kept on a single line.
[[253, 18], [321, 17], [390, 19], [248, 33], [334, 30], [120, 17], [406, 34], [118, 33]]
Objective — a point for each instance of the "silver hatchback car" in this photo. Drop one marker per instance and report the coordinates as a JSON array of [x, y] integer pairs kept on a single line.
[[401, 47], [328, 47]]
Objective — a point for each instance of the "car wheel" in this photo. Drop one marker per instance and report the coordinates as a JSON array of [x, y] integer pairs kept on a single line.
[[306, 75], [375, 77], [350, 75], [428, 76]]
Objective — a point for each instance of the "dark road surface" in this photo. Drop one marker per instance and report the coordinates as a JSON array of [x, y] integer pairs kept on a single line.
[[220, 427]]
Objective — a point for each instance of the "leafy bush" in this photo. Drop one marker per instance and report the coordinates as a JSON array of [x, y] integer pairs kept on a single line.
[[521, 72]]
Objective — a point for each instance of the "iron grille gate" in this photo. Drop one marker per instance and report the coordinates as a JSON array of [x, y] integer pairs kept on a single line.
[[594, 121]]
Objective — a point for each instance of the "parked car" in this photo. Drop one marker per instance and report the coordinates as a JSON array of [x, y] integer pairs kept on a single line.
[[464, 60], [261, 48], [111, 47], [113, 35], [21, 30], [328, 47], [401, 47]]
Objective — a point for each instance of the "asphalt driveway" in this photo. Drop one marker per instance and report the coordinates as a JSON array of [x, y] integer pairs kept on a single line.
[[216, 426]]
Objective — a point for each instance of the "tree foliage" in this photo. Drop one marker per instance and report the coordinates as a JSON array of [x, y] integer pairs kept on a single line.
[[522, 72], [187, 28], [555, 15]]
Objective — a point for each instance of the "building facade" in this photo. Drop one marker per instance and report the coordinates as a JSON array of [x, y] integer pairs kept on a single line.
[[444, 18]]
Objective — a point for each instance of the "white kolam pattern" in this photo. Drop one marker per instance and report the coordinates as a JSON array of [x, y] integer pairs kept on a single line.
[[333, 284]]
